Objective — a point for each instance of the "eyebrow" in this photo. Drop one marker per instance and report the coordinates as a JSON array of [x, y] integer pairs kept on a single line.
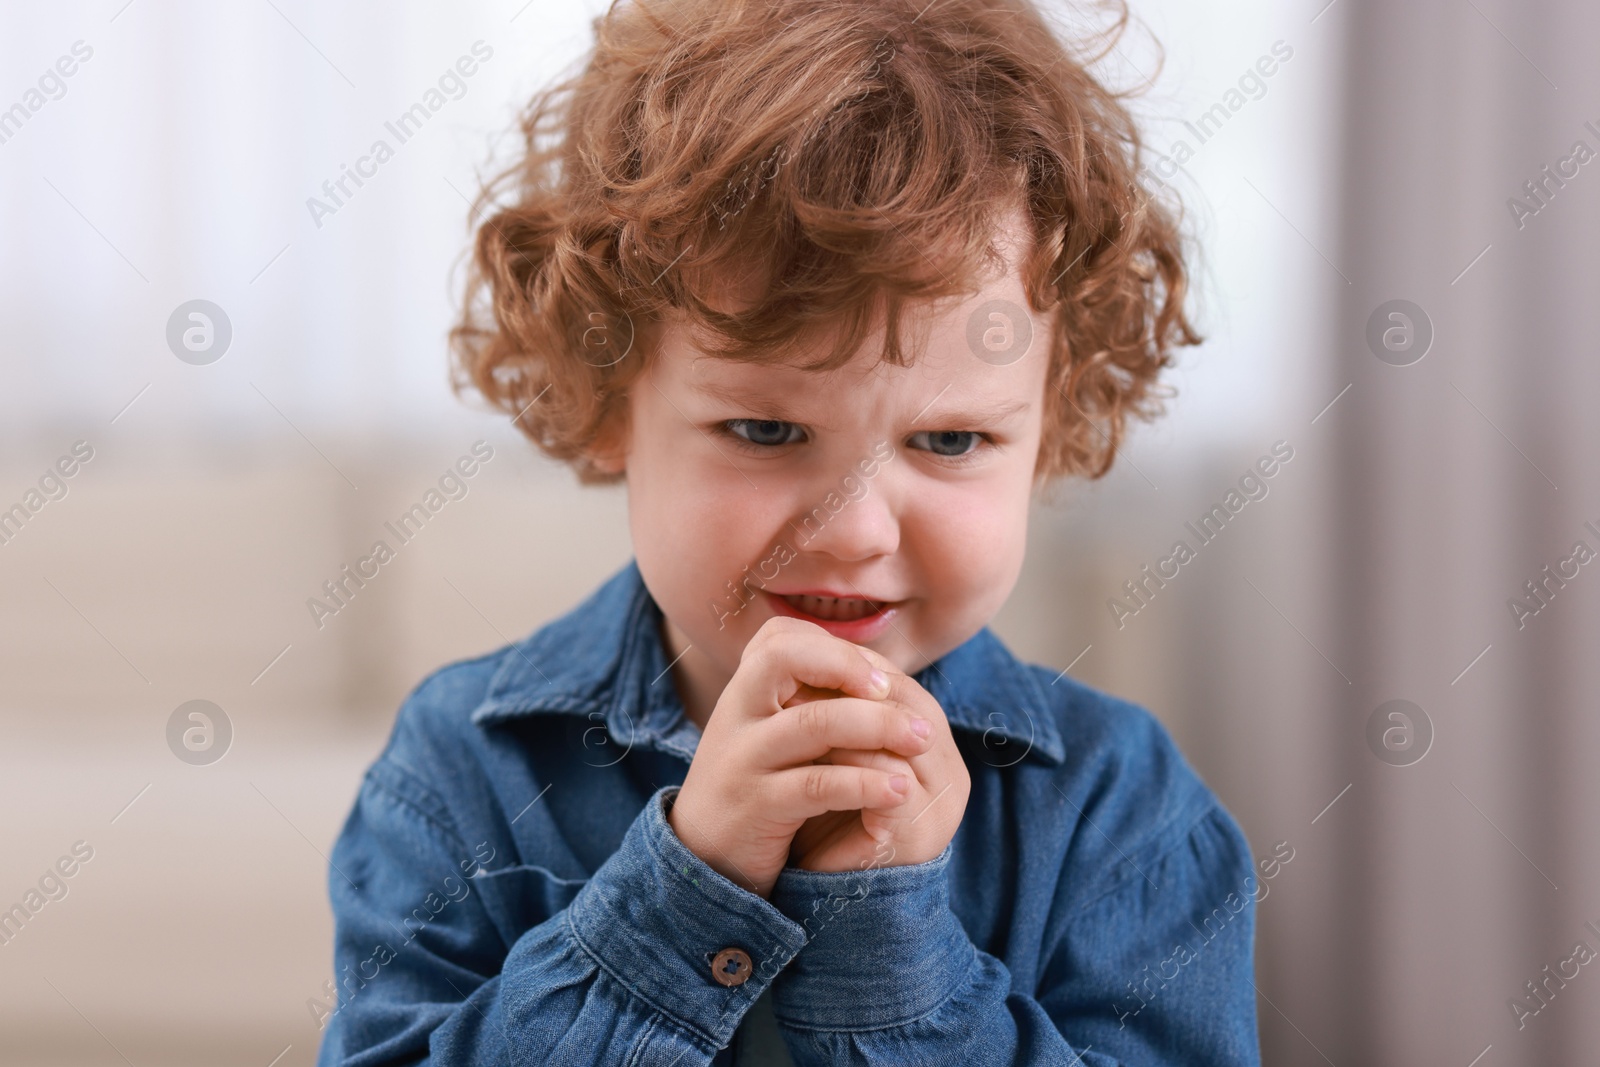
[[978, 412], [755, 399], [776, 407]]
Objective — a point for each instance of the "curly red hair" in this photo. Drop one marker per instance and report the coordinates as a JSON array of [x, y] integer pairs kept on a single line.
[[820, 151]]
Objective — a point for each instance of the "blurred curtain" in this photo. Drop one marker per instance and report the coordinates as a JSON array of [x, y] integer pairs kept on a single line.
[[1440, 888]]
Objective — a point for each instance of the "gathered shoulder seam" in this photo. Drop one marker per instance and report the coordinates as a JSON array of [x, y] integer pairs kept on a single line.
[[1165, 845]]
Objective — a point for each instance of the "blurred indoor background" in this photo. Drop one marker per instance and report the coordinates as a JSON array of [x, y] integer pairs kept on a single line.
[[1425, 152]]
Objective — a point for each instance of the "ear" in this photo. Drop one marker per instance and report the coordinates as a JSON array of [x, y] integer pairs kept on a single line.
[[608, 463], [609, 452]]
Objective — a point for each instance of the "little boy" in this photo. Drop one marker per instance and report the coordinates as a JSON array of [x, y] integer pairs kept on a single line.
[[833, 287]]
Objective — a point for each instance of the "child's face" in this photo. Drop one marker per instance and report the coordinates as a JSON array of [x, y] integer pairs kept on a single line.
[[902, 490]]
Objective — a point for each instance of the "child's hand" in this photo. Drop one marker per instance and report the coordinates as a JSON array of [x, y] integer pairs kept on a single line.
[[913, 830], [754, 782]]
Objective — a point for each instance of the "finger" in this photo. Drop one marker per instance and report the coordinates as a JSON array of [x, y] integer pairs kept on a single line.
[[788, 653], [905, 690], [902, 687], [876, 759], [806, 792], [803, 732], [810, 692], [933, 763], [880, 821]]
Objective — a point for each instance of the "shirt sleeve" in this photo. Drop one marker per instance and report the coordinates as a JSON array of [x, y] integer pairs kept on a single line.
[[1156, 971], [622, 974]]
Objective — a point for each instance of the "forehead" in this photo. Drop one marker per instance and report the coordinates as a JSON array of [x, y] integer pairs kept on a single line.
[[986, 343], [944, 380]]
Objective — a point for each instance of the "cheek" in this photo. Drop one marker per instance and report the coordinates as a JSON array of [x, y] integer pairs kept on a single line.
[[973, 540], [671, 494], [695, 500], [695, 528]]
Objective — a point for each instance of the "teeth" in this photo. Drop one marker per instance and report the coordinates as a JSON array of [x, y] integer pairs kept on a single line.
[[834, 609]]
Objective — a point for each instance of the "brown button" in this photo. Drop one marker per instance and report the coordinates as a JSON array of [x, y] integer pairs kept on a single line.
[[731, 966]]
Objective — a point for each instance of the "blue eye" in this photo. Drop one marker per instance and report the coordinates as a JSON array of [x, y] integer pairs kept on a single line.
[[946, 442], [768, 433]]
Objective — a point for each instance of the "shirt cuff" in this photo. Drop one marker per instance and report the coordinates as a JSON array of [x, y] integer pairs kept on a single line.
[[655, 916], [883, 947]]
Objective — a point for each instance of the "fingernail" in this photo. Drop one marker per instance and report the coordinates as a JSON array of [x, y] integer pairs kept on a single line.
[[879, 681], [898, 783], [920, 727]]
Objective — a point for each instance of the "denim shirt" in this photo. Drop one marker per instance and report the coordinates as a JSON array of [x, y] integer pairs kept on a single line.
[[507, 889]]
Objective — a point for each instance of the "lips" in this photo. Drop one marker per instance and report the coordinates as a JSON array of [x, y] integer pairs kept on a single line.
[[834, 609], [857, 618]]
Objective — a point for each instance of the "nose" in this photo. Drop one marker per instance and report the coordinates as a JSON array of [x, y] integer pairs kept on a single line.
[[852, 519]]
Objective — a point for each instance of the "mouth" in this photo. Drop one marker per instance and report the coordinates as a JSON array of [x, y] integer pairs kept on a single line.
[[857, 619], [834, 608]]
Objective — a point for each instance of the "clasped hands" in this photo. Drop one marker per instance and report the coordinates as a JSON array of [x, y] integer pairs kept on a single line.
[[819, 754]]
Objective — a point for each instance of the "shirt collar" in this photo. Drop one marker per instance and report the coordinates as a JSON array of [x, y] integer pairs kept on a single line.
[[605, 660]]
